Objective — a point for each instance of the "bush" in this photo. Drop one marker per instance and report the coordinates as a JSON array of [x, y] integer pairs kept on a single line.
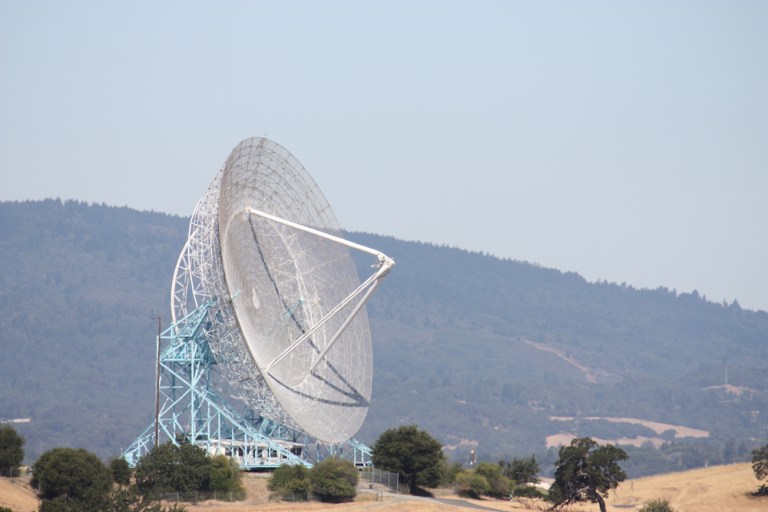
[[290, 482], [499, 486], [657, 505], [471, 484], [528, 491], [334, 480], [225, 477]]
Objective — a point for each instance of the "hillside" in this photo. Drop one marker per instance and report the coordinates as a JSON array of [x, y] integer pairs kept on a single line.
[[497, 355], [711, 489]]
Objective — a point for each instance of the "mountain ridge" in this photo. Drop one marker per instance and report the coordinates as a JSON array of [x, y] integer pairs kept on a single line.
[[477, 349]]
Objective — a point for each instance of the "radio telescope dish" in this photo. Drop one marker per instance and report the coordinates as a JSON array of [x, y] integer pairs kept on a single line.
[[291, 332]]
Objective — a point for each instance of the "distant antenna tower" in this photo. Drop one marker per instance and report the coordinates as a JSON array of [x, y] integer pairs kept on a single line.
[[265, 296]]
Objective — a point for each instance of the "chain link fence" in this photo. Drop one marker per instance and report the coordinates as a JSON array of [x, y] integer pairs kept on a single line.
[[382, 480], [197, 496]]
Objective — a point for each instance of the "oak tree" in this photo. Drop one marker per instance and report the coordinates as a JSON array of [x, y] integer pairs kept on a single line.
[[411, 452], [586, 472]]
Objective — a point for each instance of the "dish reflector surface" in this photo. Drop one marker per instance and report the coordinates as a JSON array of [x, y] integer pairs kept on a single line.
[[283, 280]]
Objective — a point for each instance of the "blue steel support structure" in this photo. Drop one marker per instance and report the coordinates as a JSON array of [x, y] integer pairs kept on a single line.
[[191, 411]]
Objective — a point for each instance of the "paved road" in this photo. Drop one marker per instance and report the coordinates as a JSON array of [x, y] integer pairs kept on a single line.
[[445, 501], [463, 503]]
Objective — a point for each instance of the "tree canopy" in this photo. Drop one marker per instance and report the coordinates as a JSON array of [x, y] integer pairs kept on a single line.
[[760, 467], [586, 472], [71, 479], [121, 471], [11, 450], [170, 468], [413, 453], [186, 469], [521, 470]]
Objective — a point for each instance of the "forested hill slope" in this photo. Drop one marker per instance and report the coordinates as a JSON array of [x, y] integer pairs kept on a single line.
[[485, 353]]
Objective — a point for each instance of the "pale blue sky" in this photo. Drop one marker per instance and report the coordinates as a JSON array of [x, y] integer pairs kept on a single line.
[[625, 141]]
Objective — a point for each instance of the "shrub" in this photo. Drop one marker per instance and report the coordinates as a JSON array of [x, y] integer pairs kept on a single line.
[[471, 484], [334, 480], [225, 478], [656, 505], [290, 482], [528, 491], [499, 486]]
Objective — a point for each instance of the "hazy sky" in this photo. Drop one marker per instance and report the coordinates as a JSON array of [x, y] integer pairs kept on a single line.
[[625, 141]]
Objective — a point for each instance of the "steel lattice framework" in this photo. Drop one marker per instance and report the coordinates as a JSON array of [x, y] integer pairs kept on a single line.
[[192, 411]]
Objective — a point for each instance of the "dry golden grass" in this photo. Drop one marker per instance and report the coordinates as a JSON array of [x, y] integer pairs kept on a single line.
[[715, 489], [16, 494]]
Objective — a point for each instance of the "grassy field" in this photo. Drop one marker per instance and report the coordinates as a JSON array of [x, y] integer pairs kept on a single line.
[[715, 489]]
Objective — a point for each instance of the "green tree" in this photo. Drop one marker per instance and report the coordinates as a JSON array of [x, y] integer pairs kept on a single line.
[[168, 468], [413, 453], [334, 480], [586, 472], [121, 471], [657, 505], [67, 479], [291, 482], [11, 450], [225, 478], [760, 467], [522, 470]]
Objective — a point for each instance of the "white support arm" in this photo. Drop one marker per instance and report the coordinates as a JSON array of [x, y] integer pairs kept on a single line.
[[384, 265]]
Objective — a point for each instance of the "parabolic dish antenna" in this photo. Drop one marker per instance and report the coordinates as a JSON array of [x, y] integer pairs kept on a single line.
[[290, 328]]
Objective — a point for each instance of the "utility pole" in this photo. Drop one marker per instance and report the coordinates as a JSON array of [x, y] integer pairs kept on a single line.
[[157, 382]]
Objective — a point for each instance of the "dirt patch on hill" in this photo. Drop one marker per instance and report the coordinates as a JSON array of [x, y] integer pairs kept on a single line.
[[563, 438]]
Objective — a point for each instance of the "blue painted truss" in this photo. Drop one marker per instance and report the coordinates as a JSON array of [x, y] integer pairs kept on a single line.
[[191, 411]]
